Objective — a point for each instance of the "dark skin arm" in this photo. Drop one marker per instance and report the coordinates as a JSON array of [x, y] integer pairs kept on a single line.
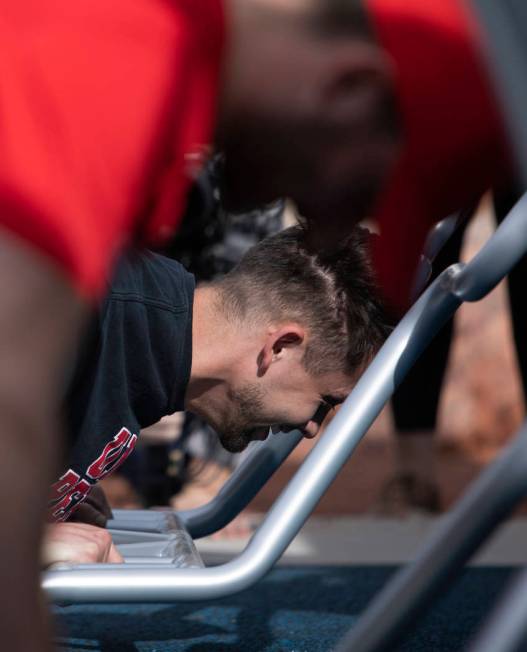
[[41, 319]]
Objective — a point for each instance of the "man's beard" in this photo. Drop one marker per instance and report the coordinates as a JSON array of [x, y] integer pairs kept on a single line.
[[247, 410]]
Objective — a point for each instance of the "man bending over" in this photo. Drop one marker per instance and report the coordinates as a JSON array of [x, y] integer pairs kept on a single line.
[[278, 341]]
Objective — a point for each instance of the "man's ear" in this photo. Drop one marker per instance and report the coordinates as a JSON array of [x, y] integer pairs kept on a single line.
[[357, 74], [278, 342]]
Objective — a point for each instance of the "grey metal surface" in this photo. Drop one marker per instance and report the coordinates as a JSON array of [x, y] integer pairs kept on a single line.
[[177, 549], [171, 544], [504, 24], [148, 521], [490, 498], [104, 583], [506, 628]]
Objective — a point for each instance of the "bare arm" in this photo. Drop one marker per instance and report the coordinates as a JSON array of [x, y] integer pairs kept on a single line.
[[40, 321]]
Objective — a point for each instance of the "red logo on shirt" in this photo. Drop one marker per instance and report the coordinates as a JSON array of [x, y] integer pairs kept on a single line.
[[71, 490]]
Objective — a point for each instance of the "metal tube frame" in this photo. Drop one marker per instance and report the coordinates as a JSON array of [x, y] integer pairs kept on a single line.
[[242, 486], [112, 583]]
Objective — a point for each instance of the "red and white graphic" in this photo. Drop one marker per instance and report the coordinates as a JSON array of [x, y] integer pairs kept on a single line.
[[114, 454], [71, 489]]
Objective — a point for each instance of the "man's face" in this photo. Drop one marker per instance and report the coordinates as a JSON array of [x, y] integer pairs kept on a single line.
[[296, 400]]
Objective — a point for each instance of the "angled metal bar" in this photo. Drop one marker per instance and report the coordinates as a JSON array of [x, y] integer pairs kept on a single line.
[[108, 583], [506, 628], [483, 507], [242, 486]]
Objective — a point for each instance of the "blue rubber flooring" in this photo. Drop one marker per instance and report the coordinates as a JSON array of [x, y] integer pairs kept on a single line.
[[303, 609]]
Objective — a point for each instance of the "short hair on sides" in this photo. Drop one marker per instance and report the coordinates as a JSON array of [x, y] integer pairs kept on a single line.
[[332, 294]]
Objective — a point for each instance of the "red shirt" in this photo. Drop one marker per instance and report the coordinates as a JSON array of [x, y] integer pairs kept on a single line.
[[454, 147], [100, 105]]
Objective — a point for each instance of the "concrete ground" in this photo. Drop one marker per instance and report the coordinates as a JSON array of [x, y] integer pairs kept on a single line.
[[356, 540]]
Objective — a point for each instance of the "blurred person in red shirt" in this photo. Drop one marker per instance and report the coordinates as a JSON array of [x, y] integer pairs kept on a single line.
[[107, 112]]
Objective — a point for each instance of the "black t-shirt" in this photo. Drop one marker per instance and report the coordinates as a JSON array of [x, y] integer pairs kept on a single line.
[[134, 369]]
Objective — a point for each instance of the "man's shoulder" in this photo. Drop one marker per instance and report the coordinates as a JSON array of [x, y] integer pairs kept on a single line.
[[152, 279]]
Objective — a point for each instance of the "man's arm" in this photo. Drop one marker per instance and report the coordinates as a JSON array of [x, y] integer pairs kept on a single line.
[[40, 321]]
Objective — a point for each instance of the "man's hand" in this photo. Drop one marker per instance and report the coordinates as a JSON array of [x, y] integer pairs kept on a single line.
[[78, 543]]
